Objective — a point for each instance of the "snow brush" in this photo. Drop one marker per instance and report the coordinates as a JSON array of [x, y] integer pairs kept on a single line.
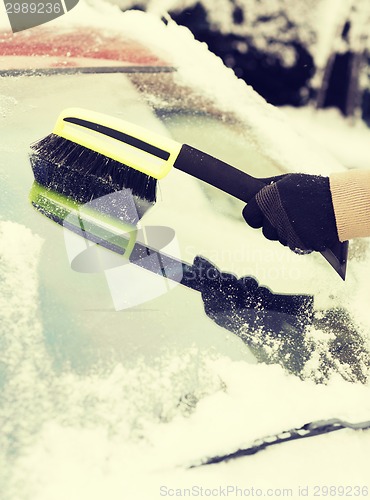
[[90, 154], [111, 222]]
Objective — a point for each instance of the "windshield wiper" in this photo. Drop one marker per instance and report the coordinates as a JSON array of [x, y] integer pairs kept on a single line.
[[86, 70], [311, 429]]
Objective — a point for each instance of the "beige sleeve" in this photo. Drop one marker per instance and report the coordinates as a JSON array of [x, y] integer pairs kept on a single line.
[[351, 199]]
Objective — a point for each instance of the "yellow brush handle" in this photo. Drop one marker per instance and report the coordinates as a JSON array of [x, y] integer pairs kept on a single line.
[[138, 152]]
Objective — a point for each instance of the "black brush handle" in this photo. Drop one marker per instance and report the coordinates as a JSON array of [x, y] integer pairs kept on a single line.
[[243, 186], [217, 173]]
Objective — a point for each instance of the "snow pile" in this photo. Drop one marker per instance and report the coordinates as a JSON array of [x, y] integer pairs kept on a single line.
[[23, 369], [119, 402], [100, 433], [85, 458], [96, 434]]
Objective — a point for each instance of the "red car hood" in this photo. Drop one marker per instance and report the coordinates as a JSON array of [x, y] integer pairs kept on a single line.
[[44, 48]]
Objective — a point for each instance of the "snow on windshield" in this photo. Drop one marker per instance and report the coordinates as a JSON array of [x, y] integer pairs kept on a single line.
[[126, 431], [89, 436]]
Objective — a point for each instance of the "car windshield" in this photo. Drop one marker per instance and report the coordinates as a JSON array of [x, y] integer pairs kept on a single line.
[[85, 328], [206, 222]]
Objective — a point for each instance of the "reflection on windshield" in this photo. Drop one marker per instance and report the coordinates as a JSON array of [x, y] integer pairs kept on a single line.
[[281, 328], [194, 119], [314, 344], [205, 221]]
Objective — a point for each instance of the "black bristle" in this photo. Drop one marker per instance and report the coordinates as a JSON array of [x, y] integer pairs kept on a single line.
[[83, 174]]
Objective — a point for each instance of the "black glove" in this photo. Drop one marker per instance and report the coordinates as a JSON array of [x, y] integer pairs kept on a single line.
[[224, 292], [295, 209], [272, 325]]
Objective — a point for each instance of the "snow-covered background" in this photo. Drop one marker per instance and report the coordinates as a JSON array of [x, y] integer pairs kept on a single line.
[[129, 430], [292, 53]]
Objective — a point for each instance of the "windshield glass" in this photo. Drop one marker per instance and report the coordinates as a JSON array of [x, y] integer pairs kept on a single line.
[[76, 328], [206, 222]]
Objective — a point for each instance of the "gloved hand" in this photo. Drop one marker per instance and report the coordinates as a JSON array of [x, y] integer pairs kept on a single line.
[[272, 325], [295, 209], [225, 293]]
